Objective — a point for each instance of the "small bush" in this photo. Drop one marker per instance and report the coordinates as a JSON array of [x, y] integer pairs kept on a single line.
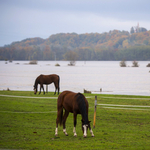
[[148, 65], [57, 64], [135, 64], [33, 62], [72, 63], [123, 63]]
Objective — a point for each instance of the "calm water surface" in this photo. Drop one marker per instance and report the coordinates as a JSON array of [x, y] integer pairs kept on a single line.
[[89, 75]]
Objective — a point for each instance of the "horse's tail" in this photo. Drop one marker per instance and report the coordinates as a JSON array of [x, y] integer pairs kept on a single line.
[[60, 108], [58, 84], [61, 117]]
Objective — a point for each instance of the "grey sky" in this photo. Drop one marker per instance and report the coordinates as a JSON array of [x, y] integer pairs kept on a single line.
[[42, 18]]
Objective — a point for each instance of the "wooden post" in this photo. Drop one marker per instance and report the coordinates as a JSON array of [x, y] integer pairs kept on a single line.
[[95, 112], [46, 88]]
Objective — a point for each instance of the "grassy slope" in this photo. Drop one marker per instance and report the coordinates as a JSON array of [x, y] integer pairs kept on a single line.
[[31, 129]]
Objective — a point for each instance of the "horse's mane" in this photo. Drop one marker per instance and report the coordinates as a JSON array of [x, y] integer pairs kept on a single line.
[[82, 107], [36, 83]]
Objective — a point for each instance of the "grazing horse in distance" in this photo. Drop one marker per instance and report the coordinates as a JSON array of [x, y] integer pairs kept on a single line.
[[75, 103], [46, 79]]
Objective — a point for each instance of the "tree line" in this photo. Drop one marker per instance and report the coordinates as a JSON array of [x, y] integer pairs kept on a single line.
[[114, 45]]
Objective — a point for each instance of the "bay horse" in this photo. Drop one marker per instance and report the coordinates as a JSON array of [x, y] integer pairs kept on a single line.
[[46, 79], [75, 103]]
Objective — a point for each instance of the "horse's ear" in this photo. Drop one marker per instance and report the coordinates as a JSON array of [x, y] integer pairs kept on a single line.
[[89, 121]]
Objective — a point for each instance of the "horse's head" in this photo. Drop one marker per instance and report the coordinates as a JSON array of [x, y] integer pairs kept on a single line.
[[85, 127], [35, 89]]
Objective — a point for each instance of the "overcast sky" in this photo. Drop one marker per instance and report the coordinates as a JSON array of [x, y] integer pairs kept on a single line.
[[21, 19]]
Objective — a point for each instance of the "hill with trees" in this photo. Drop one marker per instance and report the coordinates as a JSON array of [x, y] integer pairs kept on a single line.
[[112, 45]]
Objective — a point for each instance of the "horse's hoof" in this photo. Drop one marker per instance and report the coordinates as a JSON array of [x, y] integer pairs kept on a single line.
[[56, 134], [92, 136], [75, 135], [84, 136], [66, 134]]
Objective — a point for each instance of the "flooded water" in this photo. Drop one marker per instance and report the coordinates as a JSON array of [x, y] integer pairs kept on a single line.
[[89, 75]]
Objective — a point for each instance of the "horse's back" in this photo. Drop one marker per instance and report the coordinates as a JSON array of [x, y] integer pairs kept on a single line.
[[66, 95], [69, 100], [54, 77], [47, 79]]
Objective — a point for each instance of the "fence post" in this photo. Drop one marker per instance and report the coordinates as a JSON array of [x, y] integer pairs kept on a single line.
[[95, 112], [46, 88]]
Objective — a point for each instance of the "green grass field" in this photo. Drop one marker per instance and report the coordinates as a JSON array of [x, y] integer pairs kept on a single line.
[[28, 122]]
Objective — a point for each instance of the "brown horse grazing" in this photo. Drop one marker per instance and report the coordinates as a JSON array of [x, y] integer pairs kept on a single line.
[[75, 103], [46, 79]]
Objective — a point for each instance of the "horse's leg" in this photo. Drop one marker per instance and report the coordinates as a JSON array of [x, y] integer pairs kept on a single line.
[[43, 88], [55, 88], [92, 134], [40, 89], [84, 131], [55, 91], [56, 130], [64, 121], [59, 113], [75, 122], [58, 89]]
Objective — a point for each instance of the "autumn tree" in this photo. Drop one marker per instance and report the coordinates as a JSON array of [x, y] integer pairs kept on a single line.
[[47, 53], [71, 56]]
